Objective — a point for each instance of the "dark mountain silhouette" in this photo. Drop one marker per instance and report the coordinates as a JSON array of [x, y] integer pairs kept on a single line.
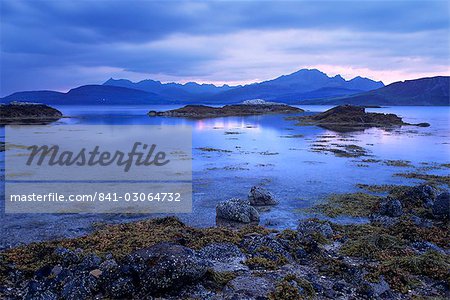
[[303, 84], [301, 87], [171, 91], [423, 91], [88, 95]]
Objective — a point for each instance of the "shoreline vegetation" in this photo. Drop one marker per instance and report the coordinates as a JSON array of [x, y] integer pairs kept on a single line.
[[401, 252], [203, 111]]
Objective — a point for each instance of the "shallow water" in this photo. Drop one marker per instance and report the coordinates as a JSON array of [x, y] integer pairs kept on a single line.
[[265, 150]]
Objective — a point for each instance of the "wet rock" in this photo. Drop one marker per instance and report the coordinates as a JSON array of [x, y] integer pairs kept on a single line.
[[82, 286], [384, 221], [166, 266], [66, 257], [313, 226], [197, 291], [237, 210], [248, 287], [45, 271], [441, 207], [391, 207], [223, 257], [266, 247], [259, 196], [122, 288], [90, 262], [110, 269], [96, 273], [422, 194], [36, 290]]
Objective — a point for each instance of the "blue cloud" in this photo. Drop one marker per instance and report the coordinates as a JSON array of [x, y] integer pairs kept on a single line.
[[208, 41]]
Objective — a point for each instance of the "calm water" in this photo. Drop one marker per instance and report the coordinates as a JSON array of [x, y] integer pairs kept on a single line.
[[265, 150]]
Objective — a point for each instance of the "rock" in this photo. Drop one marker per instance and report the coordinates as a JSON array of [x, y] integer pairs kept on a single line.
[[43, 272], [421, 222], [82, 286], [56, 270], [203, 111], [348, 118], [223, 257], [122, 288], [313, 226], [441, 207], [259, 196], [423, 194], [110, 269], [66, 257], [266, 247], [248, 287], [90, 262], [37, 291], [237, 210], [391, 207], [96, 273], [383, 220], [166, 266]]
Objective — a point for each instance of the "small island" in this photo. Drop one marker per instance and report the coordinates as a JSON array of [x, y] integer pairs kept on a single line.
[[247, 108], [349, 117], [28, 113]]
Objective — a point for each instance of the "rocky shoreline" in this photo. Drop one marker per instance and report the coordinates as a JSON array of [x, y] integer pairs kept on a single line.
[[203, 111], [28, 113], [401, 253], [349, 118]]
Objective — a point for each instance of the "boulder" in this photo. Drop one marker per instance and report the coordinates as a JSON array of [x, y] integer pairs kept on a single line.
[[248, 287], [313, 226], [223, 257], [259, 196], [265, 246], [165, 266], [66, 256], [391, 207], [423, 194], [441, 206], [237, 210]]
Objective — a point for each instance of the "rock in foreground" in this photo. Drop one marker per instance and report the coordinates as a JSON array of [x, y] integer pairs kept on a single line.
[[259, 196], [237, 210], [203, 111], [348, 117], [28, 113]]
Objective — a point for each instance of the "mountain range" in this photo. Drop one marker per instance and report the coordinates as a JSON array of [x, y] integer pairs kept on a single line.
[[306, 86]]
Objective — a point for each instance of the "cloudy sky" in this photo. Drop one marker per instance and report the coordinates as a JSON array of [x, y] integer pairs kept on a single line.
[[61, 44]]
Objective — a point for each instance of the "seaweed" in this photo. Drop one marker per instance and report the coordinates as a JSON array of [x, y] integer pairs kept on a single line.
[[353, 204]]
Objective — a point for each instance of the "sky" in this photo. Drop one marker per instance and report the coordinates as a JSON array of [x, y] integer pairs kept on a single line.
[[58, 45]]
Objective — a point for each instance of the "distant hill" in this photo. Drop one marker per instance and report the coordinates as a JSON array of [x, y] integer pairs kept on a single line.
[[89, 95], [423, 91], [301, 87], [171, 91]]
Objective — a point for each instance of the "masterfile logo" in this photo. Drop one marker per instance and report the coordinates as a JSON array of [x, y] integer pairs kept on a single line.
[[98, 169]]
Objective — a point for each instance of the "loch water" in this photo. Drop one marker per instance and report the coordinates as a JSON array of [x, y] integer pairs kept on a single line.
[[263, 150]]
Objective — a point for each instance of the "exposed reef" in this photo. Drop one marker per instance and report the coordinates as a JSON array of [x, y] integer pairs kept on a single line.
[[28, 113], [345, 118], [401, 253], [203, 111]]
